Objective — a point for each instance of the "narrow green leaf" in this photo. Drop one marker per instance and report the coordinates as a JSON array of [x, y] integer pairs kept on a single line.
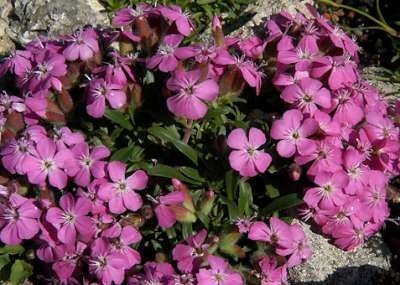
[[204, 219], [245, 198], [232, 207], [167, 135], [282, 203], [162, 170], [229, 185], [122, 154], [4, 260], [191, 173], [20, 271], [187, 230], [118, 118]]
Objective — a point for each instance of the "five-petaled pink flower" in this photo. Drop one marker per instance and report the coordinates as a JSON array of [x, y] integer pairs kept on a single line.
[[71, 219], [82, 45], [108, 266], [99, 91], [292, 132], [246, 156], [191, 94], [45, 162], [120, 193], [19, 220], [218, 274]]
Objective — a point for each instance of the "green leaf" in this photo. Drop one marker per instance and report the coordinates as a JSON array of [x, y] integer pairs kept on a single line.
[[271, 191], [122, 154], [232, 208], [162, 170], [118, 118], [229, 185], [282, 203], [168, 135], [191, 173], [4, 260], [204, 219], [12, 249], [245, 198], [20, 271]]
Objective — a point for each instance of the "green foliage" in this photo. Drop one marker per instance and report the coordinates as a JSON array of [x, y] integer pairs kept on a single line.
[[201, 11]]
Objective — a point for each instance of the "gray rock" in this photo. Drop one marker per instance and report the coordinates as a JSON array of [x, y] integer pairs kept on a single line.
[[263, 9], [333, 266], [381, 78], [29, 19], [6, 44]]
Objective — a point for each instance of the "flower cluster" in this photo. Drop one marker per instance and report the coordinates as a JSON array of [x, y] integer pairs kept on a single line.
[[337, 129], [95, 176]]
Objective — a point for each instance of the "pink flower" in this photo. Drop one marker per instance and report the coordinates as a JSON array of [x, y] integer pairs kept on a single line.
[[121, 194], [10, 103], [165, 215], [108, 266], [292, 132], [330, 191], [65, 138], [326, 157], [347, 112], [379, 127], [155, 272], [349, 236], [342, 71], [47, 162], [18, 62], [246, 158], [271, 273], [273, 234], [82, 45], [356, 171], [302, 55], [166, 58], [99, 91], [68, 256], [192, 95], [122, 238], [71, 219], [295, 245], [218, 274], [128, 16], [306, 95], [374, 196], [181, 20], [250, 73], [18, 220], [191, 254], [15, 153], [50, 67], [89, 163]]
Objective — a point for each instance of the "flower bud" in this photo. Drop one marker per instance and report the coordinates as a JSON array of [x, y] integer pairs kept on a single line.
[[218, 34], [207, 202], [294, 172]]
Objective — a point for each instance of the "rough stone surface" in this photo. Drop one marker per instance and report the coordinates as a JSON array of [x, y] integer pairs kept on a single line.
[[24, 20], [263, 9], [332, 266], [381, 79], [6, 44]]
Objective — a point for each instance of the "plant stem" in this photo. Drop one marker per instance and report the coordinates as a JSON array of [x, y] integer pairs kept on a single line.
[[385, 26], [188, 131]]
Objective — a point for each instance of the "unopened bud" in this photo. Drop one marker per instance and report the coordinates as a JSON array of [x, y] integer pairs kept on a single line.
[[218, 34], [207, 202], [294, 172]]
